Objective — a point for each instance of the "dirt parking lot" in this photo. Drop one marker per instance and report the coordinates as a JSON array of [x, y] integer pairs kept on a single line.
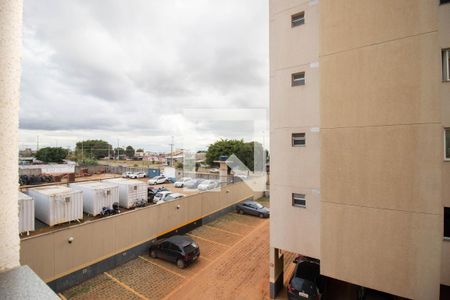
[[233, 265]]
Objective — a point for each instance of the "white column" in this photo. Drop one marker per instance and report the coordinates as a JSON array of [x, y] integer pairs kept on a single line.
[[10, 47]]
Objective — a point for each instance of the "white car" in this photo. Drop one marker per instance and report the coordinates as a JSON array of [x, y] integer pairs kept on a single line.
[[180, 183], [137, 175], [126, 174], [165, 196], [207, 185], [174, 196], [214, 170], [158, 180]]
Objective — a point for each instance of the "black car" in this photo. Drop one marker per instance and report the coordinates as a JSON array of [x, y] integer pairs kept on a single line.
[[253, 208], [178, 249], [306, 282]]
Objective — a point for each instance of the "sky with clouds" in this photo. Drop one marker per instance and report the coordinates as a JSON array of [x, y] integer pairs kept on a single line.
[[138, 72]]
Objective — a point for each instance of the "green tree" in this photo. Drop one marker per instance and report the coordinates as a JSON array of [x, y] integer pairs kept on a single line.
[[119, 151], [222, 147], [88, 162], [129, 151], [244, 151], [94, 149], [52, 154]]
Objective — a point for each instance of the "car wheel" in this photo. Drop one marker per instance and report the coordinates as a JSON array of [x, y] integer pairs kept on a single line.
[[180, 263], [153, 254], [261, 216], [241, 211]]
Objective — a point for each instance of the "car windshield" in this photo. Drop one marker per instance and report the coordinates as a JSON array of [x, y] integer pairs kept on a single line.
[[258, 205], [308, 270]]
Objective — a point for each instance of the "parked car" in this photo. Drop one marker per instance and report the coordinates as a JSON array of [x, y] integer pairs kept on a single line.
[[180, 183], [253, 208], [152, 191], [207, 185], [158, 180], [214, 170], [178, 249], [241, 176], [306, 282], [193, 184], [161, 196], [166, 197], [126, 174], [137, 175], [174, 196]]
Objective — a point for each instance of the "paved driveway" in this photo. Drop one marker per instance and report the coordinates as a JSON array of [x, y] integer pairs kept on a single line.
[[233, 265]]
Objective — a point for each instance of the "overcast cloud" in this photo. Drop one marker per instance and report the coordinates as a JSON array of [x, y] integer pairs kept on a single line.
[[125, 70]]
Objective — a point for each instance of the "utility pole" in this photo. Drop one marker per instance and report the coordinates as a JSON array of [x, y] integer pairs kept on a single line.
[[171, 153], [37, 143], [118, 150]]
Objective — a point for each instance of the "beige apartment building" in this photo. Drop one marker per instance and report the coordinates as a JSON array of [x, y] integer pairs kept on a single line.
[[360, 141]]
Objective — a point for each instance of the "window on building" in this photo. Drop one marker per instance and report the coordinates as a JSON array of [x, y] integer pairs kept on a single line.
[[298, 79], [298, 139], [298, 200], [446, 64], [447, 222], [298, 19], [447, 143]]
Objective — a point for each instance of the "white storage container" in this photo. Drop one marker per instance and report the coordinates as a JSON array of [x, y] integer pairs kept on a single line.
[[57, 204], [97, 195], [130, 191], [26, 213]]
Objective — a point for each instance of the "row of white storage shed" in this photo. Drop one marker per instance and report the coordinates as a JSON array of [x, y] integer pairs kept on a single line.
[[60, 204]]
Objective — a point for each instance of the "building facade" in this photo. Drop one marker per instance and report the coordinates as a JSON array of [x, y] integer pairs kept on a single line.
[[360, 170]]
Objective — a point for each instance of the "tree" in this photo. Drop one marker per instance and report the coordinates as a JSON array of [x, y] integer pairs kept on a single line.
[[244, 151], [52, 154], [129, 152], [140, 150], [222, 147], [119, 151], [94, 149]]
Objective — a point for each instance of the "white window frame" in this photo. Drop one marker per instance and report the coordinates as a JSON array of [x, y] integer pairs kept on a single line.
[[298, 196], [447, 129], [298, 19], [298, 138], [298, 81], [446, 65]]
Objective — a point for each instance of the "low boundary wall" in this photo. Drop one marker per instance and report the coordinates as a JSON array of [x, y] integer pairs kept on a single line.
[[104, 243]]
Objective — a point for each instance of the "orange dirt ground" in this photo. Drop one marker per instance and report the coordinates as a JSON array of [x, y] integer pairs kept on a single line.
[[234, 264]]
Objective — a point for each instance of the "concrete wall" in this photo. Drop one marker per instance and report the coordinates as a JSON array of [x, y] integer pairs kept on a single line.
[[51, 256], [10, 49], [294, 110], [381, 145], [50, 168], [444, 43]]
